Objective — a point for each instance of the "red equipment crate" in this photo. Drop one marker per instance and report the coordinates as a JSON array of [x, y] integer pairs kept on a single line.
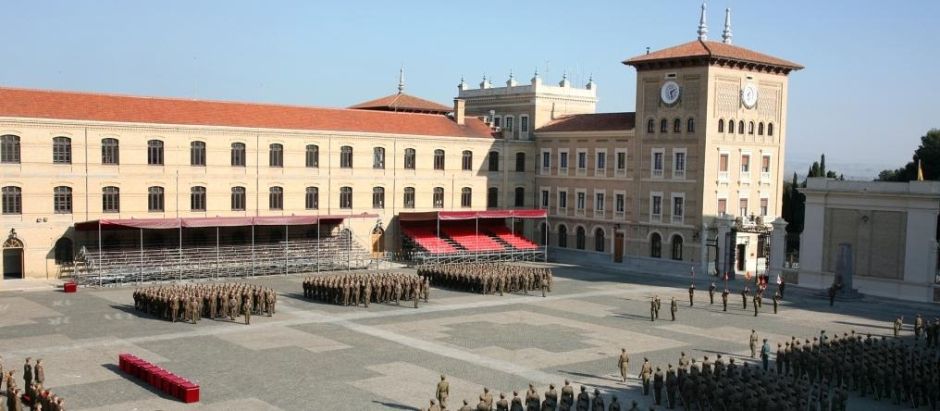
[[190, 393], [70, 287]]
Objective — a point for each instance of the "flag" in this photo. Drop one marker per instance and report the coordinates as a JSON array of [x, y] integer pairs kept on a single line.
[[920, 171]]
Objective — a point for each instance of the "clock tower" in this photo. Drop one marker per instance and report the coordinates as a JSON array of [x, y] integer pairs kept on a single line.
[[711, 133]]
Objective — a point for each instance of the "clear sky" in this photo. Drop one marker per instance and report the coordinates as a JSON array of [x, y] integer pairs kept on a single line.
[[868, 93]]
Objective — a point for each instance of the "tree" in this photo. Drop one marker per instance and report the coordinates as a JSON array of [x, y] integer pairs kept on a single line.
[[928, 154]]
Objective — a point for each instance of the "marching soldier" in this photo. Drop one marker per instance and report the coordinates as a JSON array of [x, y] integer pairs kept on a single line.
[[756, 304], [653, 309], [672, 382], [658, 381], [753, 343], [624, 364], [646, 372], [502, 404], [443, 391], [246, 308], [532, 399], [777, 298], [724, 300], [39, 373], [584, 400], [918, 327], [673, 307], [567, 397], [744, 294], [28, 372], [598, 403], [551, 399], [691, 295], [711, 293]]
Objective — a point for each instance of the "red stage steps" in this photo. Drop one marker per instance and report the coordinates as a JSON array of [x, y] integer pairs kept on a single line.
[[163, 380]]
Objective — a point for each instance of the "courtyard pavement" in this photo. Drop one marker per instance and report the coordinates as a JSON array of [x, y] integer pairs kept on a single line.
[[325, 357]]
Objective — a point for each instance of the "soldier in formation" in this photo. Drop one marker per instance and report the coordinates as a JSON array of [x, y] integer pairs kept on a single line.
[[192, 302], [489, 278], [366, 288], [35, 396]]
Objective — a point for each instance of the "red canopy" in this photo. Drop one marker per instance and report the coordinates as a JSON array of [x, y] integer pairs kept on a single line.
[[197, 222], [471, 215]]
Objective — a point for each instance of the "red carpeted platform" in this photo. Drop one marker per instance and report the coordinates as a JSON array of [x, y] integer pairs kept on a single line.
[[163, 380]]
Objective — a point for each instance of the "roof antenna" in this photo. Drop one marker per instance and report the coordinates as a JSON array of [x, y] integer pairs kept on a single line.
[[647, 49], [702, 26], [401, 80], [726, 35]]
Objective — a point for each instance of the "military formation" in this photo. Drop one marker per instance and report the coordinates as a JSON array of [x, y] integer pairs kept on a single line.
[[756, 301], [193, 302], [367, 288], [565, 399], [489, 278], [35, 396]]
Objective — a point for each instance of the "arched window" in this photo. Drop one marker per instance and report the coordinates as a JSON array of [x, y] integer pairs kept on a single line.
[[9, 149], [520, 162], [238, 198], [599, 240], [155, 153], [677, 126], [238, 154], [197, 198], [740, 126], [438, 159], [312, 198], [378, 158], [563, 236], [409, 197], [155, 199], [409, 159], [276, 157], [750, 127], [276, 198], [492, 197], [345, 157], [493, 161], [466, 163], [62, 200], [197, 153], [650, 126], [63, 251], [690, 126], [579, 238], [378, 197], [731, 126], [110, 151], [677, 247], [656, 245], [438, 197], [110, 199], [12, 200], [313, 156], [62, 150], [770, 129], [721, 126], [520, 197], [663, 126], [466, 197], [760, 128], [345, 197]]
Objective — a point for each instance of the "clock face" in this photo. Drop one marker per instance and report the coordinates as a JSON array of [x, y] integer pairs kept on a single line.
[[670, 93], [749, 95]]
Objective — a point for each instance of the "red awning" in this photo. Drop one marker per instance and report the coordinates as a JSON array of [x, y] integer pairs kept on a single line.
[[471, 215], [197, 222]]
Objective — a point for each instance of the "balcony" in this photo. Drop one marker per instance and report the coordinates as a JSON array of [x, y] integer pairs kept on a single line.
[[656, 218], [765, 177], [563, 171], [722, 176], [678, 174], [621, 172], [579, 212], [657, 173], [582, 172], [619, 215], [678, 219]]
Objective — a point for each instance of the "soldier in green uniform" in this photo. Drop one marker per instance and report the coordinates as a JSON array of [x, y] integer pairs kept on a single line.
[[567, 397], [673, 307], [658, 381], [653, 309], [502, 404], [691, 295], [672, 383], [711, 293], [584, 400]]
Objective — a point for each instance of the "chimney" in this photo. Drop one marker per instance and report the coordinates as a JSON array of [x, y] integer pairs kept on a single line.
[[459, 111]]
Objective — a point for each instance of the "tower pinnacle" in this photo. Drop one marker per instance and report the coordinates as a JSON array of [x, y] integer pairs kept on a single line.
[[702, 26], [401, 80], [726, 35]]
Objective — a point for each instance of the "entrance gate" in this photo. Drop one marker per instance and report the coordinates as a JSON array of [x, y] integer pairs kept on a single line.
[[13, 261]]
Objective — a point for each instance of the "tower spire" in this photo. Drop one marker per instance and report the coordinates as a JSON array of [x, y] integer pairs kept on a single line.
[[702, 26], [726, 35], [401, 80]]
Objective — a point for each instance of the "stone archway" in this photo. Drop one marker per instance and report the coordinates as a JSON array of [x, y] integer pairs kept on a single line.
[[13, 261]]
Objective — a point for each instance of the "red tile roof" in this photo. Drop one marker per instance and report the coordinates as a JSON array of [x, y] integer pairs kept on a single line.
[[712, 49], [404, 102], [592, 122], [65, 105]]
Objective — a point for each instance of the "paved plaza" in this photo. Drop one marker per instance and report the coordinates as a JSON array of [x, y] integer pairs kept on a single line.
[[317, 356]]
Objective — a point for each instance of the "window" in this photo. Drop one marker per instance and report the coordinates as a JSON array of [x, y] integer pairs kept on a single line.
[[64, 253], [312, 198], [580, 238], [722, 206], [677, 247], [580, 200], [599, 202], [438, 197], [110, 151], [9, 149], [61, 150], [492, 197], [497, 121], [740, 126], [620, 201], [562, 199], [238, 198], [723, 166], [466, 160], [678, 209], [621, 163], [12, 200], [493, 161], [770, 129], [378, 197], [563, 236], [110, 199], [276, 198], [563, 162], [656, 245], [197, 153], [690, 126], [238, 154], [677, 126], [750, 128], [508, 125], [62, 200], [197, 198], [378, 158], [582, 161], [546, 162], [438, 159], [742, 207], [663, 126], [721, 126], [765, 167], [409, 159], [658, 163], [600, 166], [276, 155], [678, 165], [345, 157], [154, 199], [520, 162], [650, 126], [545, 198], [599, 240], [656, 208], [731, 126], [466, 197], [313, 156], [409, 197], [764, 203], [520, 197], [745, 165], [760, 128], [345, 197], [523, 127]]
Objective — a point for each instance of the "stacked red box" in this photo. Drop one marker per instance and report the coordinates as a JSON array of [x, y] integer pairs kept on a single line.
[[163, 380], [70, 287]]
